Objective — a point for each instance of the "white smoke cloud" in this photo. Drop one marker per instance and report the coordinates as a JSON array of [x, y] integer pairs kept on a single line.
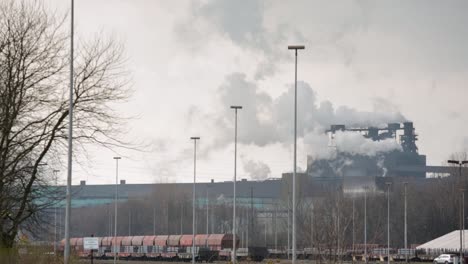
[[257, 170], [354, 143], [266, 120]]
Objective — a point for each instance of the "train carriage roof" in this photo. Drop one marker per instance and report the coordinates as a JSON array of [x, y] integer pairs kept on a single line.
[[127, 241], [106, 241], [174, 240], [138, 241], [218, 239], [201, 240], [186, 240], [148, 240], [161, 240]]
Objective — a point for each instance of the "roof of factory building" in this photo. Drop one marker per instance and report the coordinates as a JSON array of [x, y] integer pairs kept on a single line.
[[450, 241], [261, 189]]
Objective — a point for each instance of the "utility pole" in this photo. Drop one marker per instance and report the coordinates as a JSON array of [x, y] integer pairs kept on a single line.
[[388, 221], [353, 228], [55, 215], [66, 255], [234, 257], [276, 231], [295, 48], [289, 227], [116, 249], [207, 211], [193, 193], [406, 226], [251, 213], [365, 224]]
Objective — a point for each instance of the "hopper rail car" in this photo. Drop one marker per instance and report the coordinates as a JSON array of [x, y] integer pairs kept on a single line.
[[208, 248]]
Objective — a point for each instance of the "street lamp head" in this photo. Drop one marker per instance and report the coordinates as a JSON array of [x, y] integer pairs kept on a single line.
[[388, 183], [236, 107], [296, 47], [117, 158], [195, 138], [453, 161]]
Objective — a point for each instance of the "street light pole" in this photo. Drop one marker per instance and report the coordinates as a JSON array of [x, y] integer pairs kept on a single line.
[[365, 225], [406, 225], [234, 240], [66, 255], [193, 193], [353, 228], [460, 163], [115, 205], [295, 48], [388, 221], [207, 212], [55, 216]]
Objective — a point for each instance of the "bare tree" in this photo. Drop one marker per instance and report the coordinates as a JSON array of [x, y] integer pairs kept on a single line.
[[34, 107]]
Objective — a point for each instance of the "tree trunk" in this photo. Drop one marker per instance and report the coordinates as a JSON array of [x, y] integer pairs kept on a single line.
[[8, 254]]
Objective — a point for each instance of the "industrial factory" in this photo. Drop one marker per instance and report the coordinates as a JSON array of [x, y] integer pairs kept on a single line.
[[349, 172]]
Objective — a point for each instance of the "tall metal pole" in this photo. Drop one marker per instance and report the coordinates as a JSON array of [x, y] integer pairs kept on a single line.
[[388, 222], [365, 225], [276, 233], [353, 229], [207, 212], [234, 257], [66, 255], [463, 221], [295, 48], [289, 226], [406, 226], [461, 218], [193, 194], [55, 216], [115, 206], [181, 217]]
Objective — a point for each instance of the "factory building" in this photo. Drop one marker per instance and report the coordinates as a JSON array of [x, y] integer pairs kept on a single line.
[[345, 172]]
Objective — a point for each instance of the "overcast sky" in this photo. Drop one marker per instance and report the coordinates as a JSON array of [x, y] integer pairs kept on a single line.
[[365, 62]]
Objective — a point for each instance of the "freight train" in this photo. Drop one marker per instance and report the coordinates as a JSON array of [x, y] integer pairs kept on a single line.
[[166, 247]]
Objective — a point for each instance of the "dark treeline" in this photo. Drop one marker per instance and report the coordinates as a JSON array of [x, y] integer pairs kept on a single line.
[[433, 207], [324, 223]]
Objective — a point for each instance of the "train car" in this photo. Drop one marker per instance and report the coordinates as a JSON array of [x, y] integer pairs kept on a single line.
[[173, 244], [149, 248], [137, 248], [126, 248], [115, 246], [161, 244], [185, 248], [166, 247], [204, 252], [223, 244]]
